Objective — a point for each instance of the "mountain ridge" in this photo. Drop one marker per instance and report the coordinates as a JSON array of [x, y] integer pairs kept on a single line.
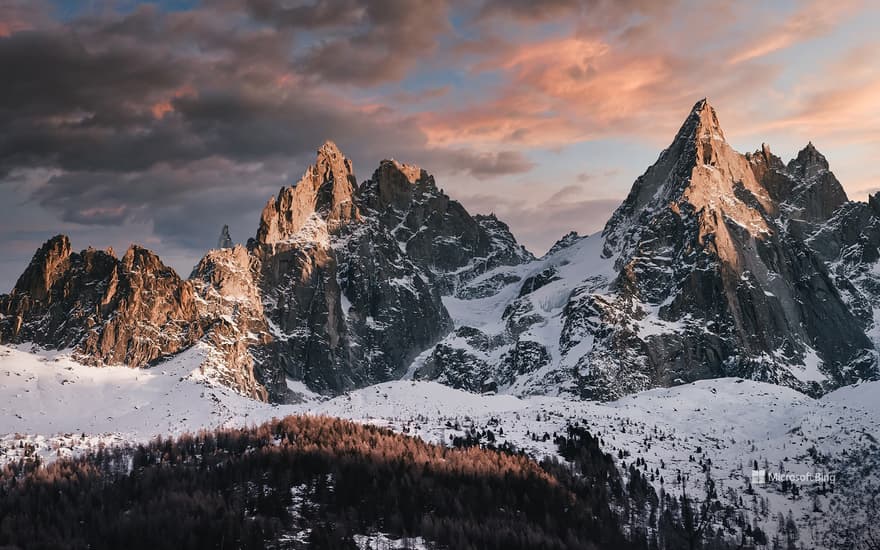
[[716, 264]]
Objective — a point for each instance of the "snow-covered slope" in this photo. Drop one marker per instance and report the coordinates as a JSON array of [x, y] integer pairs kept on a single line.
[[723, 426], [512, 331]]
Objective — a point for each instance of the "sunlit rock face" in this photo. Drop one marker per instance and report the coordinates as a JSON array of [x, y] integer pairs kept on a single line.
[[326, 191], [231, 311], [132, 310]]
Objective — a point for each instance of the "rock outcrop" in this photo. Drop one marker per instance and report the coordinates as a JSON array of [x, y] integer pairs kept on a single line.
[[224, 240], [436, 232], [325, 191], [131, 311], [231, 312]]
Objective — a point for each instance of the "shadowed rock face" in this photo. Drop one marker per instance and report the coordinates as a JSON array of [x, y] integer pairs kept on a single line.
[[130, 311], [224, 240], [345, 304], [436, 232], [351, 277]]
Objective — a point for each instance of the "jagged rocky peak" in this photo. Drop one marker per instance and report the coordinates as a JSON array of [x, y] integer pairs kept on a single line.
[[434, 230], [326, 190], [702, 125], [712, 235], [128, 311], [874, 202], [39, 275], [816, 194], [224, 240], [698, 172], [137, 258], [393, 185], [763, 160], [808, 163], [567, 240]]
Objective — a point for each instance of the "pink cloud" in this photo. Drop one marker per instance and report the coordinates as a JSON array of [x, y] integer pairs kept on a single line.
[[813, 20], [576, 88]]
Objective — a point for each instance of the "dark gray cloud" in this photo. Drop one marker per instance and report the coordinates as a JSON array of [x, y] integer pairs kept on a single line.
[[184, 121], [482, 165], [368, 42], [606, 14]]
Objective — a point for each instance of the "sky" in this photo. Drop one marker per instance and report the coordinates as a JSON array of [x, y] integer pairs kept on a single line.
[[157, 123]]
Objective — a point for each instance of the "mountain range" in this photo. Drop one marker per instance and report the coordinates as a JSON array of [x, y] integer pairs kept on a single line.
[[717, 264]]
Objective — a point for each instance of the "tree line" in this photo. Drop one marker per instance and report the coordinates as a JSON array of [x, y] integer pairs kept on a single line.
[[316, 482]]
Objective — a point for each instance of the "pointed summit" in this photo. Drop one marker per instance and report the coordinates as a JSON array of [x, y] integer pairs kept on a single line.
[[224, 240], [699, 171], [326, 189], [39, 275], [701, 123], [329, 149], [394, 183], [874, 202], [809, 162], [818, 193]]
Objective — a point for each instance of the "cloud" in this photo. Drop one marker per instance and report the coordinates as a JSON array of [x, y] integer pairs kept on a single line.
[[167, 125], [839, 104], [585, 177], [485, 165], [372, 42], [605, 14], [406, 97], [21, 15], [813, 20], [575, 88]]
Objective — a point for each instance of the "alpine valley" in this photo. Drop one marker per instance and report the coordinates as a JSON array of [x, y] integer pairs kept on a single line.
[[725, 320]]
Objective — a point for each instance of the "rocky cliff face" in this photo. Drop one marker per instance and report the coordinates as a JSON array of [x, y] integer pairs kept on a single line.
[[716, 264], [436, 232], [324, 192], [351, 276], [231, 312], [132, 310], [346, 305]]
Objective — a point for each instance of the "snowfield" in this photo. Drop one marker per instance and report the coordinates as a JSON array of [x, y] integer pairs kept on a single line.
[[60, 407]]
